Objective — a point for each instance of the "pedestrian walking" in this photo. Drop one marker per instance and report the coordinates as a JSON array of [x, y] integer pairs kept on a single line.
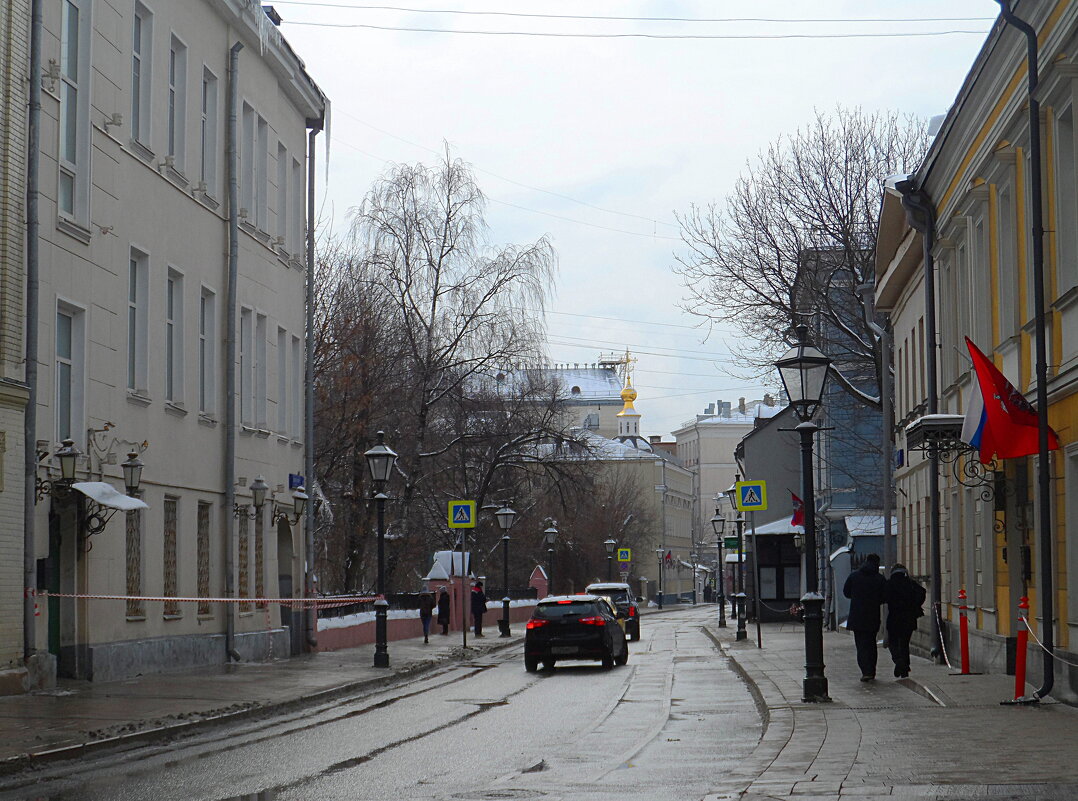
[[865, 588], [426, 612], [443, 611], [905, 599], [479, 606]]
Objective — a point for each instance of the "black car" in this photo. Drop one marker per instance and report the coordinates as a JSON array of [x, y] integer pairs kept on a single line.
[[621, 595], [574, 627]]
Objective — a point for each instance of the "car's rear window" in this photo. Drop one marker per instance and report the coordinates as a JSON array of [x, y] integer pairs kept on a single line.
[[558, 610], [615, 595]]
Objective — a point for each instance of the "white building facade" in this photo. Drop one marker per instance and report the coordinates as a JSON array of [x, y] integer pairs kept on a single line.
[[134, 330]]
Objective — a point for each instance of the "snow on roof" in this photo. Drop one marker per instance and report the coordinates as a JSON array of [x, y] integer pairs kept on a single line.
[[588, 382], [780, 526], [868, 525]]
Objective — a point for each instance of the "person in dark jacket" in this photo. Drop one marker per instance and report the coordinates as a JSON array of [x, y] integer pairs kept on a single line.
[[479, 606], [865, 589], [426, 612], [443, 611], [904, 598]]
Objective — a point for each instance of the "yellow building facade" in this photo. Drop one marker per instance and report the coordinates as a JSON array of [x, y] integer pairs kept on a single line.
[[977, 179]]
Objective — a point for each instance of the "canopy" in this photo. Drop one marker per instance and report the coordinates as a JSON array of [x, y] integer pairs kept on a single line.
[[108, 495]]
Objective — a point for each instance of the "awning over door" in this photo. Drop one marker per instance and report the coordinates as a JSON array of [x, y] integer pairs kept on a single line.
[[107, 495]]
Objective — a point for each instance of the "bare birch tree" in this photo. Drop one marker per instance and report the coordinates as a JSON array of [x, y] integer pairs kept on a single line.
[[794, 241]]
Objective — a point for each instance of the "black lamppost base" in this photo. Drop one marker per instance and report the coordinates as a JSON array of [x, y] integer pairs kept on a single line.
[[381, 651], [503, 624], [814, 686], [722, 611], [739, 601]]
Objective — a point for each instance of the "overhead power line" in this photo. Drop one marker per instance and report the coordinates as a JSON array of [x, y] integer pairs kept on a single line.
[[526, 15], [683, 36]]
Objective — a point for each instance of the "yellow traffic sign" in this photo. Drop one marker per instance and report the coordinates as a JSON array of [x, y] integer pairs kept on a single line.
[[750, 496], [462, 514]]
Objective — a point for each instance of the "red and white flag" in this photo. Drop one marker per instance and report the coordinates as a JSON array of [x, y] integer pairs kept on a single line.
[[799, 511], [1010, 421]]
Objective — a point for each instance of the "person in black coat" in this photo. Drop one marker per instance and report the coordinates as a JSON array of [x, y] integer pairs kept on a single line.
[[904, 598], [443, 610], [865, 588], [479, 606]]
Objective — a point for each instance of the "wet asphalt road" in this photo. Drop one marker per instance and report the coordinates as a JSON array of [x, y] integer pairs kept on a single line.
[[665, 726]]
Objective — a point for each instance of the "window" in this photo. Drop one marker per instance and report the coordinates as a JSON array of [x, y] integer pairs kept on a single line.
[[170, 585], [137, 319], [174, 337], [298, 207], [261, 175], [246, 153], [177, 103], [298, 377], [1066, 208], [281, 210], [141, 58], [282, 382], [208, 133], [246, 369], [69, 371], [73, 194], [207, 351], [202, 556], [133, 555], [261, 371]]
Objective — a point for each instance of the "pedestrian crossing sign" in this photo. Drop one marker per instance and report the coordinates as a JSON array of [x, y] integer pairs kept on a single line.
[[625, 555], [462, 514], [751, 496]]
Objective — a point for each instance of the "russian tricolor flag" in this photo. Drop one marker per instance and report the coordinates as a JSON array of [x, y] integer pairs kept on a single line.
[[976, 418]]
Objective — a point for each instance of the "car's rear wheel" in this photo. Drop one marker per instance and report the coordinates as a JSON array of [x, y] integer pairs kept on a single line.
[[531, 664]]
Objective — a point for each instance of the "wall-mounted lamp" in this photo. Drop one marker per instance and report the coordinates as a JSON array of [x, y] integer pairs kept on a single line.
[[259, 488], [299, 506]]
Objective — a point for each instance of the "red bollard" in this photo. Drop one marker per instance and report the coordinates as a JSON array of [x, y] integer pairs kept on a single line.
[[1020, 651], [963, 629]]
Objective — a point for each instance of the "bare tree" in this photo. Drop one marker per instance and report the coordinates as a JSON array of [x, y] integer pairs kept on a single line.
[[794, 240]]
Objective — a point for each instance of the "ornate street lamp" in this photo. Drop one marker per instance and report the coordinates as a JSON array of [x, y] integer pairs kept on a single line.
[[68, 456], [659, 555], [506, 517], [380, 461], [803, 370], [718, 525], [132, 473], [299, 506], [550, 535], [739, 525], [610, 546]]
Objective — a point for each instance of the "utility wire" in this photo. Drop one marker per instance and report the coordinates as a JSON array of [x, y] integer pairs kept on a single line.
[[612, 319], [508, 180], [683, 36], [525, 15]]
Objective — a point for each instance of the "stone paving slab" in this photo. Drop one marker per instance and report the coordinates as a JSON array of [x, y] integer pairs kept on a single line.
[[933, 736]]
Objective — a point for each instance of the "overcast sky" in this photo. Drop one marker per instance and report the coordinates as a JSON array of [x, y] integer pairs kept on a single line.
[[597, 142]]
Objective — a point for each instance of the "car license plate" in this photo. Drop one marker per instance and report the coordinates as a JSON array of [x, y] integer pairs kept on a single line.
[[564, 649]]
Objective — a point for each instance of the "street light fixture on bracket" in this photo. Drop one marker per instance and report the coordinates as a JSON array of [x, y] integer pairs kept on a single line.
[[259, 488], [550, 536], [506, 517], [610, 545], [740, 597], [804, 370], [299, 507]]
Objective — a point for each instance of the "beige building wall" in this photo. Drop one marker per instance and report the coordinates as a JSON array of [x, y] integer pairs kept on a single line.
[[14, 56], [138, 260]]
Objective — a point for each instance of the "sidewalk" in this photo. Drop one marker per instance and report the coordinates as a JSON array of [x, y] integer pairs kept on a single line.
[[78, 716], [934, 735]]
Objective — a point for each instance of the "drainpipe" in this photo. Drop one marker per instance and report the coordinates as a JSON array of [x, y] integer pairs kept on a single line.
[[33, 147], [1044, 490], [230, 346], [921, 215], [311, 622]]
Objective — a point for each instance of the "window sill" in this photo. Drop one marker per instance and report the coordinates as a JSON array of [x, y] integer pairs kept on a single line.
[[136, 397], [248, 613], [136, 618], [207, 420], [73, 229], [141, 150], [206, 616], [1066, 300], [175, 175], [175, 409], [283, 439], [246, 430], [297, 443], [263, 433], [172, 617], [208, 201]]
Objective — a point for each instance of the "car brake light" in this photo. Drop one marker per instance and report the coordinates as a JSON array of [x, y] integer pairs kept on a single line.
[[593, 621], [565, 602], [632, 611], [535, 624]]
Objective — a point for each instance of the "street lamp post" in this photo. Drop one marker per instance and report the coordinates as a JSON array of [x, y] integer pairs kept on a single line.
[[380, 460], [803, 370], [610, 546], [718, 523], [659, 594], [506, 517], [550, 536], [693, 557], [740, 597]]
